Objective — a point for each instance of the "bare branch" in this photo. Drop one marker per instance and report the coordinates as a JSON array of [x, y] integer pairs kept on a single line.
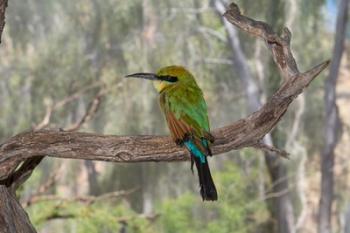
[[88, 200], [50, 107], [26, 169], [150, 217], [90, 112], [46, 120], [246, 132], [243, 133], [24, 172], [271, 149], [77, 94], [279, 45], [28, 166]]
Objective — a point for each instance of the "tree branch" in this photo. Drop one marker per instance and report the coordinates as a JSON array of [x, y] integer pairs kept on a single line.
[[52, 107], [18, 177], [271, 149], [246, 132], [88, 200], [90, 112], [24, 172]]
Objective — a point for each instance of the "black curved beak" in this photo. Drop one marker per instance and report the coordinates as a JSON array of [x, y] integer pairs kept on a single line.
[[149, 76]]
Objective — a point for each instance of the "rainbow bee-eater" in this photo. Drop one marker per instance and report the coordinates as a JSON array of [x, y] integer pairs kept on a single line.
[[185, 110]]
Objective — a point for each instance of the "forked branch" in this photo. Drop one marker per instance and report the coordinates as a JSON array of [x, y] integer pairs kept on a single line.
[[246, 132]]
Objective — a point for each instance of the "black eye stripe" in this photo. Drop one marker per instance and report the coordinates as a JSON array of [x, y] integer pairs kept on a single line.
[[168, 78]]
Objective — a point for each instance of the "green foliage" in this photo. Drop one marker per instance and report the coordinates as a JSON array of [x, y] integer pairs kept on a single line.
[[177, 214], [106, 216], [238, 209]]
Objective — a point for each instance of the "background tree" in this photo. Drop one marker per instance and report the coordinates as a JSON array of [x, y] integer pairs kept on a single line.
[[333, 123]]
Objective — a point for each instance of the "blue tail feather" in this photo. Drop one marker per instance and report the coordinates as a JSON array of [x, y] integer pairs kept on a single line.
[[195, 151]]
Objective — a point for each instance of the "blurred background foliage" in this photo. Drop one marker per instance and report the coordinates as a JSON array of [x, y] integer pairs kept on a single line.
[[53, 50]]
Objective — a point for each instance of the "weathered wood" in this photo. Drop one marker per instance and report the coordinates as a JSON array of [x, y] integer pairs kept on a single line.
[[76, 145], [13, 219]]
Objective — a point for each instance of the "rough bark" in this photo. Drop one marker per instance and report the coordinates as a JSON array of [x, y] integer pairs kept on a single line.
[[332, 124], [30, 147], [13, 219], [3, 5], [61, 144]]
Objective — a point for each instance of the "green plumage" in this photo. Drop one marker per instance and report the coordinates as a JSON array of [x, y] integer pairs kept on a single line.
[[186, 113], [185, 110], [187, 104]]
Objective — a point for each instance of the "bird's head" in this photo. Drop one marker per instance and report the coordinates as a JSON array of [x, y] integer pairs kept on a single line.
[[167, 76]]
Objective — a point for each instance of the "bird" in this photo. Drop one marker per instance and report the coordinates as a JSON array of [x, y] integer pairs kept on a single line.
[[185, 110]]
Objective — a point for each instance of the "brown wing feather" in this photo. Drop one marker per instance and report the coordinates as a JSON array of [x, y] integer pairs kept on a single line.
[[178, 128]]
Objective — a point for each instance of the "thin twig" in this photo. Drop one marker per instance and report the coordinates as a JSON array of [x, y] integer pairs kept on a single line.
[[90, 112], [87, 200], [271, 149], [50, 108]]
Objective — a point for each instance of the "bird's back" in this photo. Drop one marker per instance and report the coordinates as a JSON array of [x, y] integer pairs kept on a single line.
[[185, 110]]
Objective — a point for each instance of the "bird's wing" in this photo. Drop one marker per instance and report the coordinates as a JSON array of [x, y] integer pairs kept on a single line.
[[186, 114]]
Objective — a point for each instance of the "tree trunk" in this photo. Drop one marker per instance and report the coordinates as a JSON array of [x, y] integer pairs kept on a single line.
[[13, 218], [94, 187], [332, 125], [282, 209], [3, 5]]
